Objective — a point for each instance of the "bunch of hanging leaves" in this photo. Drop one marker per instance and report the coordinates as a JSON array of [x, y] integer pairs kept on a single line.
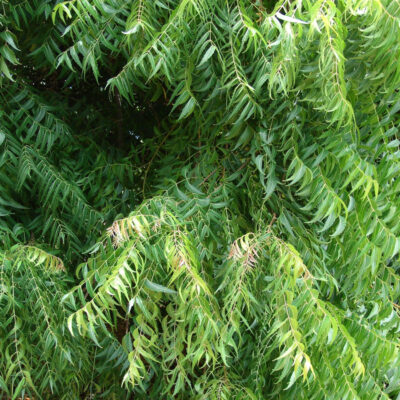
[[199, 199]]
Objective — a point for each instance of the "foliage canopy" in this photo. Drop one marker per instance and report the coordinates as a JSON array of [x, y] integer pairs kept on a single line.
[[199, 199]]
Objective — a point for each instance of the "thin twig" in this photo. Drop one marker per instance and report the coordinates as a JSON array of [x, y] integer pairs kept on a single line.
[[272, 222], [153, 157]]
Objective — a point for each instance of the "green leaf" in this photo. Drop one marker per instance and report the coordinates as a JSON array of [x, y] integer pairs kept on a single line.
[[158, 288], [208, 54], [188, 109]]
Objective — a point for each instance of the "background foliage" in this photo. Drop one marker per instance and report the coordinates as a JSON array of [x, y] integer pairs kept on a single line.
[[199, 199]]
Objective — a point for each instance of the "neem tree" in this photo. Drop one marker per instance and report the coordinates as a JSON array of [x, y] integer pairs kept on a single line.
[[200, 199]]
